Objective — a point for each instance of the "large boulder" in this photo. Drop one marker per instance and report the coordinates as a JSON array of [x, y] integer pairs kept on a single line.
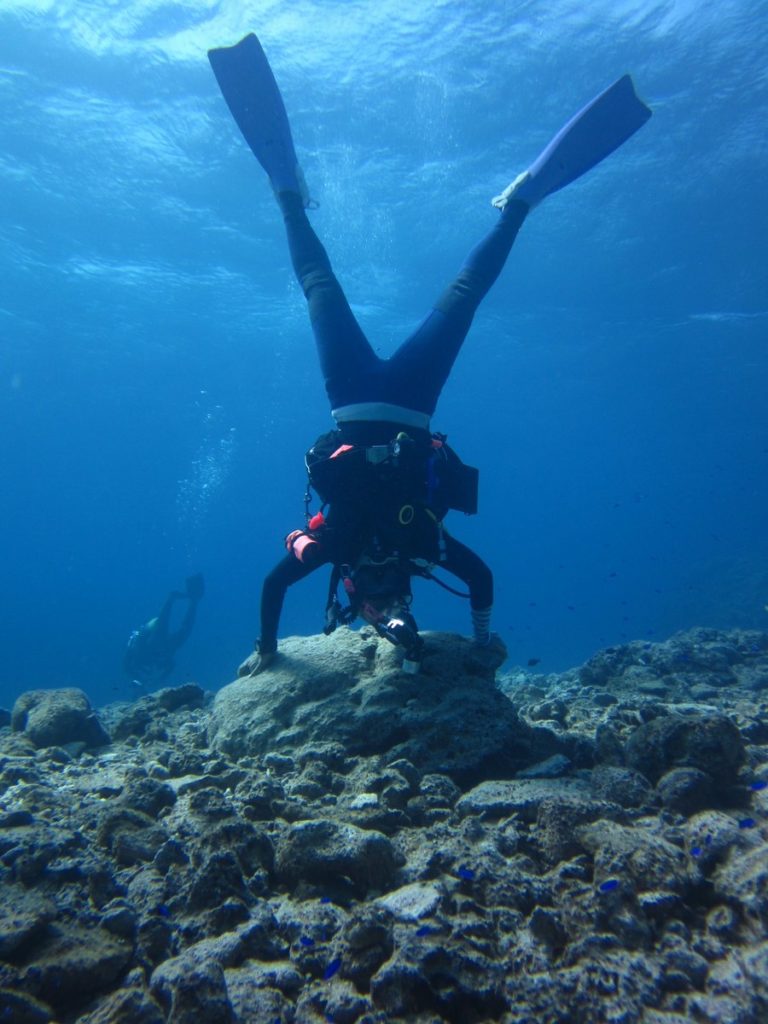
[[708, 742], [349, 688], [322, 851], [24, 916], [51, 718], [72, 959]]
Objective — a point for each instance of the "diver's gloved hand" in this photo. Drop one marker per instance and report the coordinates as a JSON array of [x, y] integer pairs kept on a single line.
[[256, 662], [488, 656]]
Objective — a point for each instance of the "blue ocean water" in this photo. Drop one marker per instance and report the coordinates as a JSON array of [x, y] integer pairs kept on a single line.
[[158, 383]]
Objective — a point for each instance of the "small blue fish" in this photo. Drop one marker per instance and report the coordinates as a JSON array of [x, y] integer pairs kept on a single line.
[[758, 785], [306, 941], [609, 885], [747, 823], [325, 899], [332, 968], [162, 910], [696, 851], [424, 930], [466, 873]]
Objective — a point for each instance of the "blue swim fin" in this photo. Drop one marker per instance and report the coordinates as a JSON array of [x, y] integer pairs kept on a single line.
[[590, 136], [252, 94]]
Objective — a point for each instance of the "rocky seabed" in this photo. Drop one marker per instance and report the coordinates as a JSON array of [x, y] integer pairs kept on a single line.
[[336, 840]]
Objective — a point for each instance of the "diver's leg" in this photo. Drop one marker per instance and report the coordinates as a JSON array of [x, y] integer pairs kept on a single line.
[[253, 97], [462, 562], [346, 356], [421, 365], [161, 624], [180, 636]]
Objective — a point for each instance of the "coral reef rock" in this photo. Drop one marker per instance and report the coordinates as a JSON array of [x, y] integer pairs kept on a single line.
[[337, 840], [349, 689], [52, 718]]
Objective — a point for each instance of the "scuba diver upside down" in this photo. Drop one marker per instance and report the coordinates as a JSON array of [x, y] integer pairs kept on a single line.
[[387, 479]]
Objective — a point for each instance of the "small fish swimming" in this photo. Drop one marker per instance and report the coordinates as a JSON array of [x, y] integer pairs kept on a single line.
[[609, 885], [331, 969]]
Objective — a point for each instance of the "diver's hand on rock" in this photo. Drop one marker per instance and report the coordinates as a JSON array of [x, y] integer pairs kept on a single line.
[[256, 663], [489, 656]]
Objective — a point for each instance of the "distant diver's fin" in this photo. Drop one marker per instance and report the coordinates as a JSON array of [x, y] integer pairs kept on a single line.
[[252, 94], [589, 137]]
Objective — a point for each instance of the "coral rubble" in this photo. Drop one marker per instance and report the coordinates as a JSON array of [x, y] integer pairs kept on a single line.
[[336, 840]]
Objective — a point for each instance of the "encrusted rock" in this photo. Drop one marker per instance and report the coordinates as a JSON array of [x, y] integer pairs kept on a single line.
[[743, 879], [148, 796], [685, 790], [56, 717], [257, 993], [323, 851], [192, 990], [329, 688], [709, 742], [622, 786], [132, 837], [411, 901], [126, 1006], [24, 916], [642, 859], [171, 698], [20, 1008], [556, 826], [500, 798], [220, 878], [72, 962], [551, 768]]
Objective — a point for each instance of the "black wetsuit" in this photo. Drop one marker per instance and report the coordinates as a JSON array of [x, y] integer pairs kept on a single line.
[[374, 399], [339, 546], [408, 384]]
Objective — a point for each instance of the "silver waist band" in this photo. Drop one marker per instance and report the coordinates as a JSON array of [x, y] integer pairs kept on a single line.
[[381, 412]]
